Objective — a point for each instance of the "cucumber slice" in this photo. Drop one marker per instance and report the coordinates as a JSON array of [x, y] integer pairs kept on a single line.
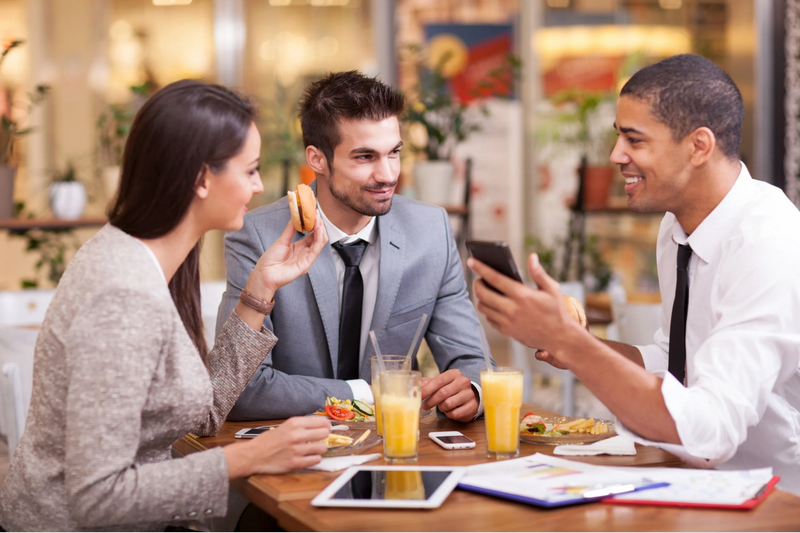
[[363, 408]]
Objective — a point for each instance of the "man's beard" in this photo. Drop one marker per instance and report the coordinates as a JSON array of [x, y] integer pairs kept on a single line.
[[359, 204]]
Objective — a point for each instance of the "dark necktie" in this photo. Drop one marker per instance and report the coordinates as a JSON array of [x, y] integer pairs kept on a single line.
[[350, 317], [677, 326]]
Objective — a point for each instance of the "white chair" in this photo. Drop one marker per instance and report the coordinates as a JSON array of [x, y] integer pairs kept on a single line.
[[210, 297], [16, 381], [18, 310]]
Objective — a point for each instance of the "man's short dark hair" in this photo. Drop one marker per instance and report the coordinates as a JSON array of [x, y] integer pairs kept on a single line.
[[344, 96], [686, 92]]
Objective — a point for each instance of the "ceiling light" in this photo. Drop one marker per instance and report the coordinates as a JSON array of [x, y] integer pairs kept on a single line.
[[162, 3]]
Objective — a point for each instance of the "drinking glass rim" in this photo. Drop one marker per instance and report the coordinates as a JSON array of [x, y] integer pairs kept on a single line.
[[389, 357], [503, 370]]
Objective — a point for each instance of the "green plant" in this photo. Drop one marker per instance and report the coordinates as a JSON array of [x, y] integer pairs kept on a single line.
[[51, 244], [596, 271], [10, 128], [581, 120], [279, 125], [438, 121], [69, 175], [114, 125]]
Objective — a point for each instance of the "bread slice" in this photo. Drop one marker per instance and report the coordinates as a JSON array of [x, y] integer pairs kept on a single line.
[[294, 212], [576, 309], [307, 206]]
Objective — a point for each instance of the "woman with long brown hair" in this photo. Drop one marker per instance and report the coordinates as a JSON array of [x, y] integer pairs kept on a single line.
[[121, 367]]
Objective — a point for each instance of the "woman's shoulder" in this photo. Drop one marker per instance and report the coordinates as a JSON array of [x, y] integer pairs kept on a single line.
[[113, 261]]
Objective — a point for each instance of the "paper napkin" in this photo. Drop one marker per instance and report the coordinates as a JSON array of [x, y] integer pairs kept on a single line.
[[334, 464], [618, 445]]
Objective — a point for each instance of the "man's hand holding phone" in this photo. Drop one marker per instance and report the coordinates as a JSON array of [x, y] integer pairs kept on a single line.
[[536, 317]]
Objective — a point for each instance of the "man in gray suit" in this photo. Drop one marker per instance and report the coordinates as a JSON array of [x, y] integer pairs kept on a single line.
[[390, 260]]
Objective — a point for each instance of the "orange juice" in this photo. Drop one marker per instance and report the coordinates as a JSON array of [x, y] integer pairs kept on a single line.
[[391, 362], [400, 427], [502, 400], [404, 485], [400, 402]]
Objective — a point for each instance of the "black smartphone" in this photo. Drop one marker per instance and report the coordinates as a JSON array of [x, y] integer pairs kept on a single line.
[[497, 255]]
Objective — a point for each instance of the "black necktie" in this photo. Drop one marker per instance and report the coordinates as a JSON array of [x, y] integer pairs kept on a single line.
[[677, 326], [352, 298]]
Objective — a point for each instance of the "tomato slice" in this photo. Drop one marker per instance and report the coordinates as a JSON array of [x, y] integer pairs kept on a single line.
[[339, 413], [527, 414]]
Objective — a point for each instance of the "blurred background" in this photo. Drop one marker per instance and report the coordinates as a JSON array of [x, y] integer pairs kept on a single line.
[[509, 123]]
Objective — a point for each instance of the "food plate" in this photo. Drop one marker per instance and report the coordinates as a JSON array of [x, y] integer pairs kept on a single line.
[[367, 424], [371, 440], [572, 438]]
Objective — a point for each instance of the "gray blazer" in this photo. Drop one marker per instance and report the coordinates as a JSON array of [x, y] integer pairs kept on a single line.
[[420, 272], [116, 382]]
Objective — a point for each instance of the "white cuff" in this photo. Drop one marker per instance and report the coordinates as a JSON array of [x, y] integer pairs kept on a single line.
[[361, 390], [668, 386], [480, 399]]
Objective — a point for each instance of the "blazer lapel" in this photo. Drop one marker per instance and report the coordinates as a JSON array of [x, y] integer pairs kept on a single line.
[[392, 243], [322, 275]]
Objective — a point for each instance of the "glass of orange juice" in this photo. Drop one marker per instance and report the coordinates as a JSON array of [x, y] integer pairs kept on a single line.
[[391, 362], [502, 400], [400, 403]]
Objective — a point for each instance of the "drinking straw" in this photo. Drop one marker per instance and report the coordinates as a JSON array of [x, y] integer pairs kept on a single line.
[[485, 344], [381, 365], [416, 336]]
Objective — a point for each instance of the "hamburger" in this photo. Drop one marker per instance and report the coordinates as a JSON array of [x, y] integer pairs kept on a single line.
[[303, 208], [576, 310]]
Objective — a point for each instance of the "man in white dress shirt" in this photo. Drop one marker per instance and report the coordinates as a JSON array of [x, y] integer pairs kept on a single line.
[[398, 254], [679, 124]]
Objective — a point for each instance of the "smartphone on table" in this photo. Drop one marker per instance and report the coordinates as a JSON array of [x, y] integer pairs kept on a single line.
[[451, 440], [251, 433], [497, 255]]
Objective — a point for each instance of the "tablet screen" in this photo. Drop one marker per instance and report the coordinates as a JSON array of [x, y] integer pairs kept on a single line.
[[391, 485]]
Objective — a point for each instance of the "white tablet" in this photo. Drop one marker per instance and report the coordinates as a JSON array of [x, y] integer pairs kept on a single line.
[[423, 487]]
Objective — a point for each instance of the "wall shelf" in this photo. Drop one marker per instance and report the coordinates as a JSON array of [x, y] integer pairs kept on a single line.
[[17, 224]]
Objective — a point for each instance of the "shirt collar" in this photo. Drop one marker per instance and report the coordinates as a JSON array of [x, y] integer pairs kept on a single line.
[[368, 233], [707, 237]]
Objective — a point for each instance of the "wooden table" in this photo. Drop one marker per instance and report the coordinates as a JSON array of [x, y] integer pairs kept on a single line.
[[288, 497]]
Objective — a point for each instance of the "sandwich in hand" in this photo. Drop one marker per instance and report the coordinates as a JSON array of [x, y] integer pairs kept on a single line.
[[576, 309], [303, 208]]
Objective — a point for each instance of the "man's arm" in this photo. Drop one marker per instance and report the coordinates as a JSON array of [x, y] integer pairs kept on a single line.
[[454, 339], [631, 352]]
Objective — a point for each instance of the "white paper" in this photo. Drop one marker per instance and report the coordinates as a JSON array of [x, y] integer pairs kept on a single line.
[[551, 479], [703, 486]]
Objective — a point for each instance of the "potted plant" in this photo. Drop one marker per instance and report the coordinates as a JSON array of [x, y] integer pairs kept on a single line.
[[582, 122], [282, 139], [113, 127], [437, 121], [67, 194], [10, 130]]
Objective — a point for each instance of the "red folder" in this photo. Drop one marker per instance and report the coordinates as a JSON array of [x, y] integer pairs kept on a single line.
[[749, 504]]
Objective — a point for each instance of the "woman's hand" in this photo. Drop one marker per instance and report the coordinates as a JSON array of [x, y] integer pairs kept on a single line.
[[292, 446], [285, 261]]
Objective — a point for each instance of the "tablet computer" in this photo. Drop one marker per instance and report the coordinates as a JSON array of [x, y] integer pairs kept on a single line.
[[424, 487]]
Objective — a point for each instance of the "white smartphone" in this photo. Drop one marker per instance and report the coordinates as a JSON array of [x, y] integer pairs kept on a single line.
[[251, 433], [451, 440]]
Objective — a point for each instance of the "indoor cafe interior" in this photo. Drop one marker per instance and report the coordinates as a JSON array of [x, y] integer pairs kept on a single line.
[[509, 121]]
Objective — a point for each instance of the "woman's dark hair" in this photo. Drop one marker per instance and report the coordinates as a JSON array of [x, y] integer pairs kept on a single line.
[[344, 96], [185, 127], [686, 92]]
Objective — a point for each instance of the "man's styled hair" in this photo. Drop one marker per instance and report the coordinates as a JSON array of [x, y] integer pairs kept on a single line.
[[686, 92], [344, 96]]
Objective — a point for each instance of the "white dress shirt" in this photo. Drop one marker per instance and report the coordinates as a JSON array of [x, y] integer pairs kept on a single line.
[[740, 407]]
